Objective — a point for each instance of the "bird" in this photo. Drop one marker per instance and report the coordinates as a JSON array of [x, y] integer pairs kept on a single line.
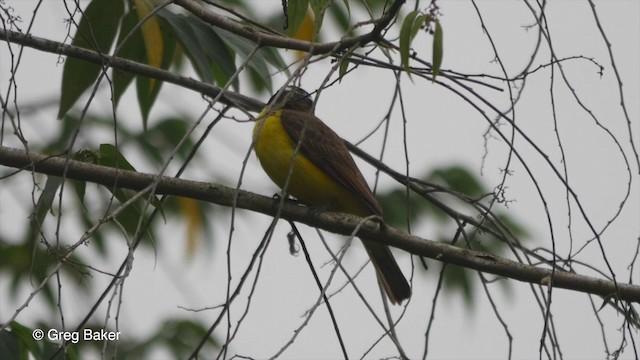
[[324, 175]]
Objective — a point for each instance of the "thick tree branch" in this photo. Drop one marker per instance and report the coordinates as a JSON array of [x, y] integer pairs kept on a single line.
[[284, 42], [136, 68], [333, 222], [230, 98]]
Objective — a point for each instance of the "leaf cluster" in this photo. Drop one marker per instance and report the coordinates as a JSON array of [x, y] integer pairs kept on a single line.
[[160, 38], [459, 188], [165, 39]]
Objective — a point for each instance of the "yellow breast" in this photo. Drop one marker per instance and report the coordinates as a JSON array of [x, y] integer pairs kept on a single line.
[[275, 150]]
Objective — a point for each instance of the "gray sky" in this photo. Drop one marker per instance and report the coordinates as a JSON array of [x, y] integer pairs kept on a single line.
[[441, 129]]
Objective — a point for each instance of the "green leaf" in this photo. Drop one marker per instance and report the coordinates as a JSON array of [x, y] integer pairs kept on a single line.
[[41, 349], [80, 187], [437, 50], [513, 225], [147, 90], [19, 344], [341, 17], [97, 30], [171, 131], [398, 208], [296, 11], [385, 50], [214, 62], [46, 200], [272, 56], [458, 278], [406, 37], [27, 262], [346, 4], [97, 239], [190, 43], [178, 335], [319, 7], [10, 347], [257, 63], [165, 134], [344, 66], [111, 157], [132, 49], [460, 179], [220, 58]]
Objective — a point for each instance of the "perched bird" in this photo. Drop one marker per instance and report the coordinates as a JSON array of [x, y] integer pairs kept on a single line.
[[324, 174]]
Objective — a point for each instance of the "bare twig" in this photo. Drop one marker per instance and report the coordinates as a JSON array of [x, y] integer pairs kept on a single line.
[[333, 222]]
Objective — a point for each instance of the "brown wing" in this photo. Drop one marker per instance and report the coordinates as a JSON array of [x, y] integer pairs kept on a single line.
[[329, 153]]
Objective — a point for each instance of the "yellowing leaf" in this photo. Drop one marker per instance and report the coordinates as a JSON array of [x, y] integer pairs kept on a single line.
[[193, 219], [296, 13], [306, 31], [152, 34]]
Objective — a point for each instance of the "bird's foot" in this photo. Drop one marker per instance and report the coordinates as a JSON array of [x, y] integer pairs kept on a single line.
[[277, 198], [317, 209]]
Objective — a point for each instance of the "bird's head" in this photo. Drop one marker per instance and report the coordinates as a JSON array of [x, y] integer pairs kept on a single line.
[[292, 98]]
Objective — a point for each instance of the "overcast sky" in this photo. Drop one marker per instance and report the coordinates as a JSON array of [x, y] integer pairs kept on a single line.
[[441, 130]]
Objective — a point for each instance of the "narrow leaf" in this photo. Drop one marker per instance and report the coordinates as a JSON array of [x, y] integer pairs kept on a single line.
[[406, 38], [97, 30], [148, 88], [344, 66], [307, 29], [437, 50], [296, 11], [190, 44], [319, 7], [209, 54], [346, 3], [46, 200], [164, 134], [132, 49], [417, 24], [460, 179], [272, 56], [152, 35], [193, 216], [111, 157], [218, 55], [341, 17], [257, 64], [17, 343]]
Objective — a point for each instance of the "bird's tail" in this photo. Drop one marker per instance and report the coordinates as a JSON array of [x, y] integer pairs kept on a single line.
[[388, 271]]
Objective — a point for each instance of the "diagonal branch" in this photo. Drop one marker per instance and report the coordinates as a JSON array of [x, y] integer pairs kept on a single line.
[[333, 222], [132, 67], [285, 42]]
